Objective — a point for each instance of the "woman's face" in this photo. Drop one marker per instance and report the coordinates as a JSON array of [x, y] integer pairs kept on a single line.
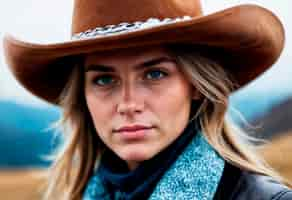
[[138, 99]]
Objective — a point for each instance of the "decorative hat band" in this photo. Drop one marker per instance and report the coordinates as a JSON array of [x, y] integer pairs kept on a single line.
[[125, 27]]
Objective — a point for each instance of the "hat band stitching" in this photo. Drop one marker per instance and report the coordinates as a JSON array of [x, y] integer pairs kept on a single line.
[[125, 27]]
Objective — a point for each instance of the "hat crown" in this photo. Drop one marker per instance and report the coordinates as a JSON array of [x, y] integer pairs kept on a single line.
[[89, 14]]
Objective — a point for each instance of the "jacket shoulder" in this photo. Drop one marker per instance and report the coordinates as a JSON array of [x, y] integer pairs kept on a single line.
[[260, 187], [238, 184], [287, 195]]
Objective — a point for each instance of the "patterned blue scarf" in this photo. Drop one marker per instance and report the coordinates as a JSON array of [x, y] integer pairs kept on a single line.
[[194, 174]]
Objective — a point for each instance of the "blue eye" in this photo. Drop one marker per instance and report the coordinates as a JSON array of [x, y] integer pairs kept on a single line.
[[155, 74], [104, 80]]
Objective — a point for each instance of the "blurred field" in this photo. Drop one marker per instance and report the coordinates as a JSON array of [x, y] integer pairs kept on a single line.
[[21, 184], [279, 155], [26, 184]]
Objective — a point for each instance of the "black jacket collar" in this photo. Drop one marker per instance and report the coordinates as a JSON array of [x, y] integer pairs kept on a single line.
[[238, 184]]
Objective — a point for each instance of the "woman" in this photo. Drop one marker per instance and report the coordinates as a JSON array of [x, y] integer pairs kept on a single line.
[[144, 102]]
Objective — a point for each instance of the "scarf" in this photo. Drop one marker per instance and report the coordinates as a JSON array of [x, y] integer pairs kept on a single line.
[[189, 168]]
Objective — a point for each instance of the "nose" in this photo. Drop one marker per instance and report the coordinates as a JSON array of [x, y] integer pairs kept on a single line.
[[130, 101]]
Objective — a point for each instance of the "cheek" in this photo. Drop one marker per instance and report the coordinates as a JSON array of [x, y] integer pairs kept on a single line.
[[174, 101], [100, 112], [173, 108]]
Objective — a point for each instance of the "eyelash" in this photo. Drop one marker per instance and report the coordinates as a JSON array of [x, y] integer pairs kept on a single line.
[[97, 78]]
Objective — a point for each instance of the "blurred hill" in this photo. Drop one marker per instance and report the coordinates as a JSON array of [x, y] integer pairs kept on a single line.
[[255, 103], [24, 135], [273, 121], [26, 117], [276, 121]]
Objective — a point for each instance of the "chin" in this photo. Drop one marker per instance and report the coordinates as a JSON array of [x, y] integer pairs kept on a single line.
[[137, 156]]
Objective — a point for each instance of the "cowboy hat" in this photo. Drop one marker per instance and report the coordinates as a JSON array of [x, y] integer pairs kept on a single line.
[[249, 38]]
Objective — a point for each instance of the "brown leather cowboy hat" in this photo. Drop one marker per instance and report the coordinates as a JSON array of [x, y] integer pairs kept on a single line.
[[250, 36]]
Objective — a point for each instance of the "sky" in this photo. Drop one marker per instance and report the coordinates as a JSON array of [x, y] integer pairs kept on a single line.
[[45, 21]]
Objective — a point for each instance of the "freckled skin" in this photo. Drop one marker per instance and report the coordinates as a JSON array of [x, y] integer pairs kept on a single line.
[[163, 103]]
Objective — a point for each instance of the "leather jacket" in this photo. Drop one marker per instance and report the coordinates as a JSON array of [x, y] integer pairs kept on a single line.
[[237, 184]]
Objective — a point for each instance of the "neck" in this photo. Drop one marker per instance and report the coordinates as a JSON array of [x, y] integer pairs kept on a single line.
[[132, 165]]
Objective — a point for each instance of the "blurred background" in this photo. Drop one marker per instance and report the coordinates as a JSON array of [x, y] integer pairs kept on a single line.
[[24, 121]]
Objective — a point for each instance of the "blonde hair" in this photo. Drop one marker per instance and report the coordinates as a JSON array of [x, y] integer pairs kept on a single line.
[[75, 162]]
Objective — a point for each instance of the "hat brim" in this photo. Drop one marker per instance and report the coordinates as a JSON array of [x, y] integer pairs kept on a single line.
[[250, 36]]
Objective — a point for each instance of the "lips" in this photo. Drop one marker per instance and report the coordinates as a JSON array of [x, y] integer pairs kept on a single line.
[[133, 132], [133, 128]]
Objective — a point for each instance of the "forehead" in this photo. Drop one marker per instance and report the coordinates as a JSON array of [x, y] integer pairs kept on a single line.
[[126, 56]]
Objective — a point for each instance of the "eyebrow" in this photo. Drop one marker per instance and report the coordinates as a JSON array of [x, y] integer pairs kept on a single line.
[[146, 64]]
